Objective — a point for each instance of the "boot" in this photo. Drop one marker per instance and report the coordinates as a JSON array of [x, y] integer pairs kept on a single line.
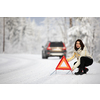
[[86, 70], [76, 72], [79, 72]]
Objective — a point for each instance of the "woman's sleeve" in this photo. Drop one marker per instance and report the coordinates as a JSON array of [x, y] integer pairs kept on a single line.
[[83, 53], [71, 58]]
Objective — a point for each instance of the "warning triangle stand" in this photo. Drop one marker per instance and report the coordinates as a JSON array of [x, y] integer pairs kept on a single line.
[[63, 65]]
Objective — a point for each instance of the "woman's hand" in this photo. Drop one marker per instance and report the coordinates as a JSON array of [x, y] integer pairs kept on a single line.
[[72, 69]]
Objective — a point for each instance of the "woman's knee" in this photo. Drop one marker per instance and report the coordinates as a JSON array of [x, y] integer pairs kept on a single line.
[[82, 59], [91, 62]]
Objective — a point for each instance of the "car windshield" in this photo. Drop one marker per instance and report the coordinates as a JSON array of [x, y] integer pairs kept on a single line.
[[56, 44]]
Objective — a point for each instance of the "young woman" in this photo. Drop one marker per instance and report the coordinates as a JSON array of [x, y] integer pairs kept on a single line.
[[84, 59]]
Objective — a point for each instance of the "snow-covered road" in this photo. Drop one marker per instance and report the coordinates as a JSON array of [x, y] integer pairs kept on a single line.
[[32, 69]]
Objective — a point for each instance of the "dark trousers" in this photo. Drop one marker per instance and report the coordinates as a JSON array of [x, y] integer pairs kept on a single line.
[[84, 62]]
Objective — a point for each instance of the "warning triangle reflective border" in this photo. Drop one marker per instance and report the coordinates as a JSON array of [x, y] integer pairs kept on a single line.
[[60, 67]]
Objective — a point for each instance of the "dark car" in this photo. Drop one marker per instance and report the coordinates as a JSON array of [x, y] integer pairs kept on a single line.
[[53, 49]]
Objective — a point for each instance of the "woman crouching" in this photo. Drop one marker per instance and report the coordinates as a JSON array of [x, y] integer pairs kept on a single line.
[[84, 59]]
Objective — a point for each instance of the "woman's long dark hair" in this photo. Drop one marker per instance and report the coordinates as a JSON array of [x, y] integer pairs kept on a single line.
[[81, 43]]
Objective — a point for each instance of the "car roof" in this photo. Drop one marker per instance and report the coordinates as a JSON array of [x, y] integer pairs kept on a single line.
[[55, 41]]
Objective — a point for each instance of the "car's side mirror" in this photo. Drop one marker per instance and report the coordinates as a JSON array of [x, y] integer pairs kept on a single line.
[[42, 46]]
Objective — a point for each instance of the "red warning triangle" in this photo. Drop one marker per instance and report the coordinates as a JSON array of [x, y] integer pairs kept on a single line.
[[63, 64]]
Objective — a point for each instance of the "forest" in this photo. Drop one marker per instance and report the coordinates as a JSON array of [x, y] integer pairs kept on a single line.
[[23, 35]]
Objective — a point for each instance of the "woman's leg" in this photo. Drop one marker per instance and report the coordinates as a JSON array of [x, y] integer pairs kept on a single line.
[[81, 66], [88, 61], [77, 67], [85, 61]]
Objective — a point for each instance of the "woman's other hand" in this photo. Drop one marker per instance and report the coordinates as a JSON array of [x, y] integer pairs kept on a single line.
[[72, 69]]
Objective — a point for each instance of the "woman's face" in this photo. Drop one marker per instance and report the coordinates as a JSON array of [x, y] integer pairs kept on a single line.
[[78, 44]]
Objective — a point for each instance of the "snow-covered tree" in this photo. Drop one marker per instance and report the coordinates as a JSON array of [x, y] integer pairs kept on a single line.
[[15, 27], [87, 29], [82, 31], [1, 34], [56, 28], [23, 35]]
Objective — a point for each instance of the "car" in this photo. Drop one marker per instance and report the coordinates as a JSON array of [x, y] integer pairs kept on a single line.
[[52, 49]]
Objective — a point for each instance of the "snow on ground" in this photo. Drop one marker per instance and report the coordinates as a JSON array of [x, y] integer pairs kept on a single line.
[[32, 69]]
